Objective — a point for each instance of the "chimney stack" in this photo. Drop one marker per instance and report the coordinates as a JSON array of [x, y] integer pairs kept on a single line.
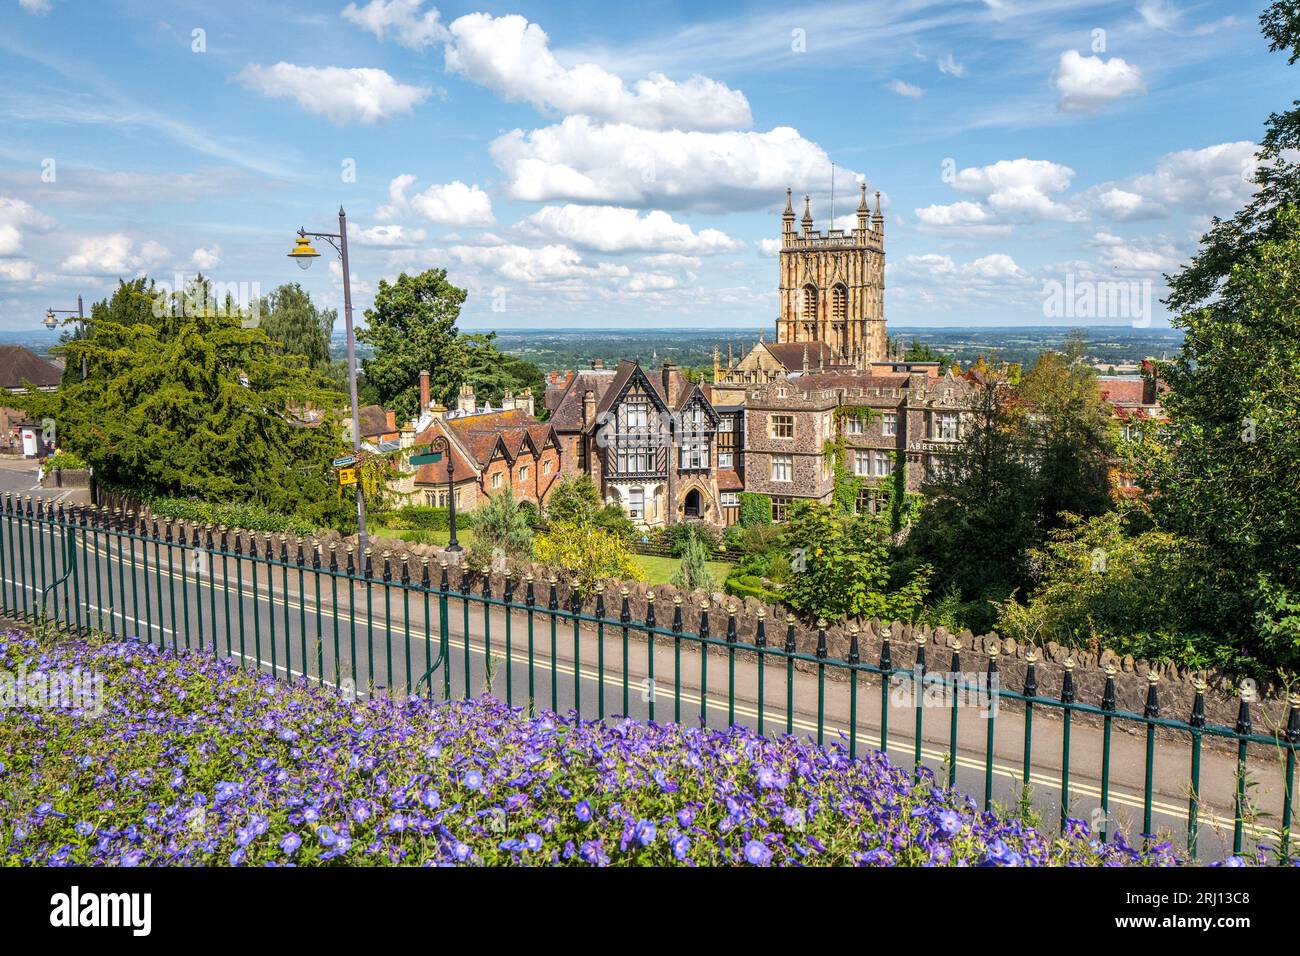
[[424, 390], [598, 362], [588, 408], [667, 377], [465, 400]]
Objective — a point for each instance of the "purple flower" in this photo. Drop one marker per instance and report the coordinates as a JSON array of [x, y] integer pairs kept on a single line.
[[473, 779], [681, 846], [582, 811], [949, 823], [686, 816], [757, 853], [290, 843]]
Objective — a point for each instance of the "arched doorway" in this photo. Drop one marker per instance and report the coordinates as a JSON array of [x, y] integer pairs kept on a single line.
[[692, 507]]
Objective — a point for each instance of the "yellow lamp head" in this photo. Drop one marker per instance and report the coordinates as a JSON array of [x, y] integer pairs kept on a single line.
[[303, 253], [50, 320]]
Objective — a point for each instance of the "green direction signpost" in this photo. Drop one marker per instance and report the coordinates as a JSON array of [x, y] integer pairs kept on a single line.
[[347, 461], [430, 458]]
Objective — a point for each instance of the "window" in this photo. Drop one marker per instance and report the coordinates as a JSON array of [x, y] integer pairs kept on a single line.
[[945, 426], [695, 454], [726, 423], [636, 415], [782, 468], [730, 499], [889, 424], [636, 503], [725, 459], [635, 460], [780, 508], [546, 466], [868, 502], [810, 302], [523, 472], [496, 480], [862, 462], [782, 392], [782, 426], [881, 464], [856, 426], [839, 303]]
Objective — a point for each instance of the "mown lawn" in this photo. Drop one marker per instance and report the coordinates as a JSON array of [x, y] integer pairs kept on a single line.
[[661, 570], [657, 570]]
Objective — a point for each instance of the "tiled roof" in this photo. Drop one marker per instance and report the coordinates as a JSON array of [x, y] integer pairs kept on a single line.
[[567, 416], [820, 380], [728, 480], [436, 473], [374, 421], [19, 366], [1125, 391], [791, 355]]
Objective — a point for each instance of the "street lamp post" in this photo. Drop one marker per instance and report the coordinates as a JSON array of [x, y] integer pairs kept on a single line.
[[52, 323], [304, 254], [440, 444]]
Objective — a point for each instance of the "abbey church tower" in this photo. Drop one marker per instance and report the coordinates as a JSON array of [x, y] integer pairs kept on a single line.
[[832, 286]]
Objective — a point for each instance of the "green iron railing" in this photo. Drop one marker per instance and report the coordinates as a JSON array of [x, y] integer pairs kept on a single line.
[[303, 613]]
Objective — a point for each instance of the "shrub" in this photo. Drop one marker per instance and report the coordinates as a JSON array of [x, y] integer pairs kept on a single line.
[[65, 460], [677, 536], [750, 585], [248, 516], [240, 769], [574, 500], [502, 525], [754, 539], [755, 509], [614, 519], [588, 554], [694, 573]]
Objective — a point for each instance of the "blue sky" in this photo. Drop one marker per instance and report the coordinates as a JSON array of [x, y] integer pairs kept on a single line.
[[604, 165]]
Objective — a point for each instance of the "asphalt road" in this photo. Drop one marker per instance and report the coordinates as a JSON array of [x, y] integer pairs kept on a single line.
[[384, 638]]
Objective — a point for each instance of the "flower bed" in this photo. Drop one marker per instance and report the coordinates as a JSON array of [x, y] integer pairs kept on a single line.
[[192, 761]]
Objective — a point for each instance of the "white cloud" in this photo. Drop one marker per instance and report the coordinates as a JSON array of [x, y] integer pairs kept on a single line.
[[15, 216], [651, 282], [1164, 16], [410, 27], [114, 254], [950, 66], [997, 265], [1010, 191], [769, 247], [208, 258], [512, 57], [1212, 180], [452, 204], [1087, 82], [618, 229], [905, 89], [387, 236], [582, 161], [671, 260], [359, 285], [1142, 256], [533, 265], [16, 270], [363, 94], [1219, 175], [36, 6]]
